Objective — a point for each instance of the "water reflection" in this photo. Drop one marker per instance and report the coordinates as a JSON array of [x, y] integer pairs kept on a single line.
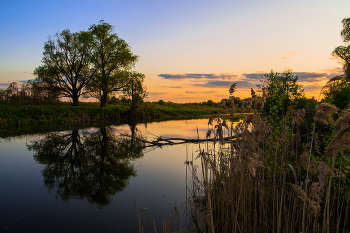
[[87, 165]]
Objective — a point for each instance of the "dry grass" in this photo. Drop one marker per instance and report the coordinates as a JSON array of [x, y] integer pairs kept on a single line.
[[272, 178], [269, 181]]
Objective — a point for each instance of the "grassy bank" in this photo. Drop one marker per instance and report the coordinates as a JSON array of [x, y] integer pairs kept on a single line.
[[64, 113]]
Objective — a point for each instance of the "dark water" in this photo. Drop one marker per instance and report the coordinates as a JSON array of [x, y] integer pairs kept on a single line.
[[84, 180]]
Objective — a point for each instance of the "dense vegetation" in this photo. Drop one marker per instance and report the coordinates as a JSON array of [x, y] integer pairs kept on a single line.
[[282, 172]]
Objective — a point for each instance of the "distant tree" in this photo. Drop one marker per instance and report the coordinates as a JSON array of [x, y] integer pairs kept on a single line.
[[135, 90], [110, 56], [283, 91], [65, 63]]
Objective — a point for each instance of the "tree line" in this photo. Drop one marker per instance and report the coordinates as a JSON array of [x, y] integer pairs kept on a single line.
[[94, 63]]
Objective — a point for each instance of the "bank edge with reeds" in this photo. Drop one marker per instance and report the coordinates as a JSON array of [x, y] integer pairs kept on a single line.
[[280, 176]]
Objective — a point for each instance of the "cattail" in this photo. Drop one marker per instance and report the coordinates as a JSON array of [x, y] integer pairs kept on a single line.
[[340, 142], [208, 134], [232, 88], [259, 103], [330, 84], [252, 92], [219, 132], [264, 94], [300, 192], [323, 172], [222, 105], [344, 119], [233, 108], [211, 119], [261, 130], [323, 113], [298, 116], [314, 191], [242, 108], [248, 103], [251, 119], [253, 162]]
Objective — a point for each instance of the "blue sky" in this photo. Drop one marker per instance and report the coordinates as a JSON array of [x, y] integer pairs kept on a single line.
[[234, 39]]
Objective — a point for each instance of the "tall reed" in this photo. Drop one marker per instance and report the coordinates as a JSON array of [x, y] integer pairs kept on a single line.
[[276, 177]]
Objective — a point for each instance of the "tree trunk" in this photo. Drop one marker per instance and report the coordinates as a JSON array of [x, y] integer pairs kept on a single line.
[[75, 100], [103, 101]]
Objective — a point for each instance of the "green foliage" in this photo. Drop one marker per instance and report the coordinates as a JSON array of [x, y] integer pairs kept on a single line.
[[65, 64], [338, 93], [111, 57], [93, 166], [343, 52], [307, 103], [95, 63], [283, 91]]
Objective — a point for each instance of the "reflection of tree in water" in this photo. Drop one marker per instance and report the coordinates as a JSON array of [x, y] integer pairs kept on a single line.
[[89, 165]]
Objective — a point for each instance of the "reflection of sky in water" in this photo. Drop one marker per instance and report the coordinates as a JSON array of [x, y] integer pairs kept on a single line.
[[160, 182], [176, 128]]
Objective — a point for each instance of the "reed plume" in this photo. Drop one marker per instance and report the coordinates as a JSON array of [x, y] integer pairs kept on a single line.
[[323, 113]]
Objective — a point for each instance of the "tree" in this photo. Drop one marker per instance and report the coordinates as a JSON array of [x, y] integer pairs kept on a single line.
[[135, 90], [92, 166], [337, 89], [65, 63], [109, 56], [343, 52], [337, 92], [283, 91]]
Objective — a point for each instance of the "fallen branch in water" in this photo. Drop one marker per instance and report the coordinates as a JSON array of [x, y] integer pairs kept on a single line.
[[173, 141]]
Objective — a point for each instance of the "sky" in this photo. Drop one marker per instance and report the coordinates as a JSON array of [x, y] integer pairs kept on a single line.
[[189, 50]]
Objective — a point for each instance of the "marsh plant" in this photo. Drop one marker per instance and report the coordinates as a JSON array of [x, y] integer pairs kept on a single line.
[[276, 175]]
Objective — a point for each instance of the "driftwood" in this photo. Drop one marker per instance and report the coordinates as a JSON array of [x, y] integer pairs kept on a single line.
[[173, 141]]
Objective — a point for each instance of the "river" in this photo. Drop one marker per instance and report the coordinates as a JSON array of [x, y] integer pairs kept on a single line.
[[87, 179]]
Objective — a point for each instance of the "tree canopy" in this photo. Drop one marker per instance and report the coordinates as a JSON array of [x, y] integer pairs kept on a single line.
[[110, 56], [96, 63], [283, 91], [337, 89], [343, 52], [65, 63]]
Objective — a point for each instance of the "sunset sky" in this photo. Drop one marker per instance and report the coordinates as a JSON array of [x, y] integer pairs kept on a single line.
[[189, 50]]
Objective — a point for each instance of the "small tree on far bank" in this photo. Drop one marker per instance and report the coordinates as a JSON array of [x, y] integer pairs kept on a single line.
[[283, 91], [135, 91]]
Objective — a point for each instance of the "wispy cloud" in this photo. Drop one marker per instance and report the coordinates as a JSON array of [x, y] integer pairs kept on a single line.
[[157, 93], [285, 58], [225, 84], [198, 76], [198, 92], [171, 86]]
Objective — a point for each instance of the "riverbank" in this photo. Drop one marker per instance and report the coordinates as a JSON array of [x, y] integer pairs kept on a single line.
[[64, 113]]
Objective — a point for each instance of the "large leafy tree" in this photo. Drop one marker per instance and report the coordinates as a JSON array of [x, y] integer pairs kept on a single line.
[[109, 56], [283, 91], [92, 166], [343, 52], [337, 90], [65, 63]]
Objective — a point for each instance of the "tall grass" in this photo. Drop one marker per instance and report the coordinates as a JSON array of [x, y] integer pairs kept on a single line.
[[275, 176]]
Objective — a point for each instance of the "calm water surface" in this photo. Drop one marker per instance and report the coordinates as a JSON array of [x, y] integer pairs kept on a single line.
[[84, 180]]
